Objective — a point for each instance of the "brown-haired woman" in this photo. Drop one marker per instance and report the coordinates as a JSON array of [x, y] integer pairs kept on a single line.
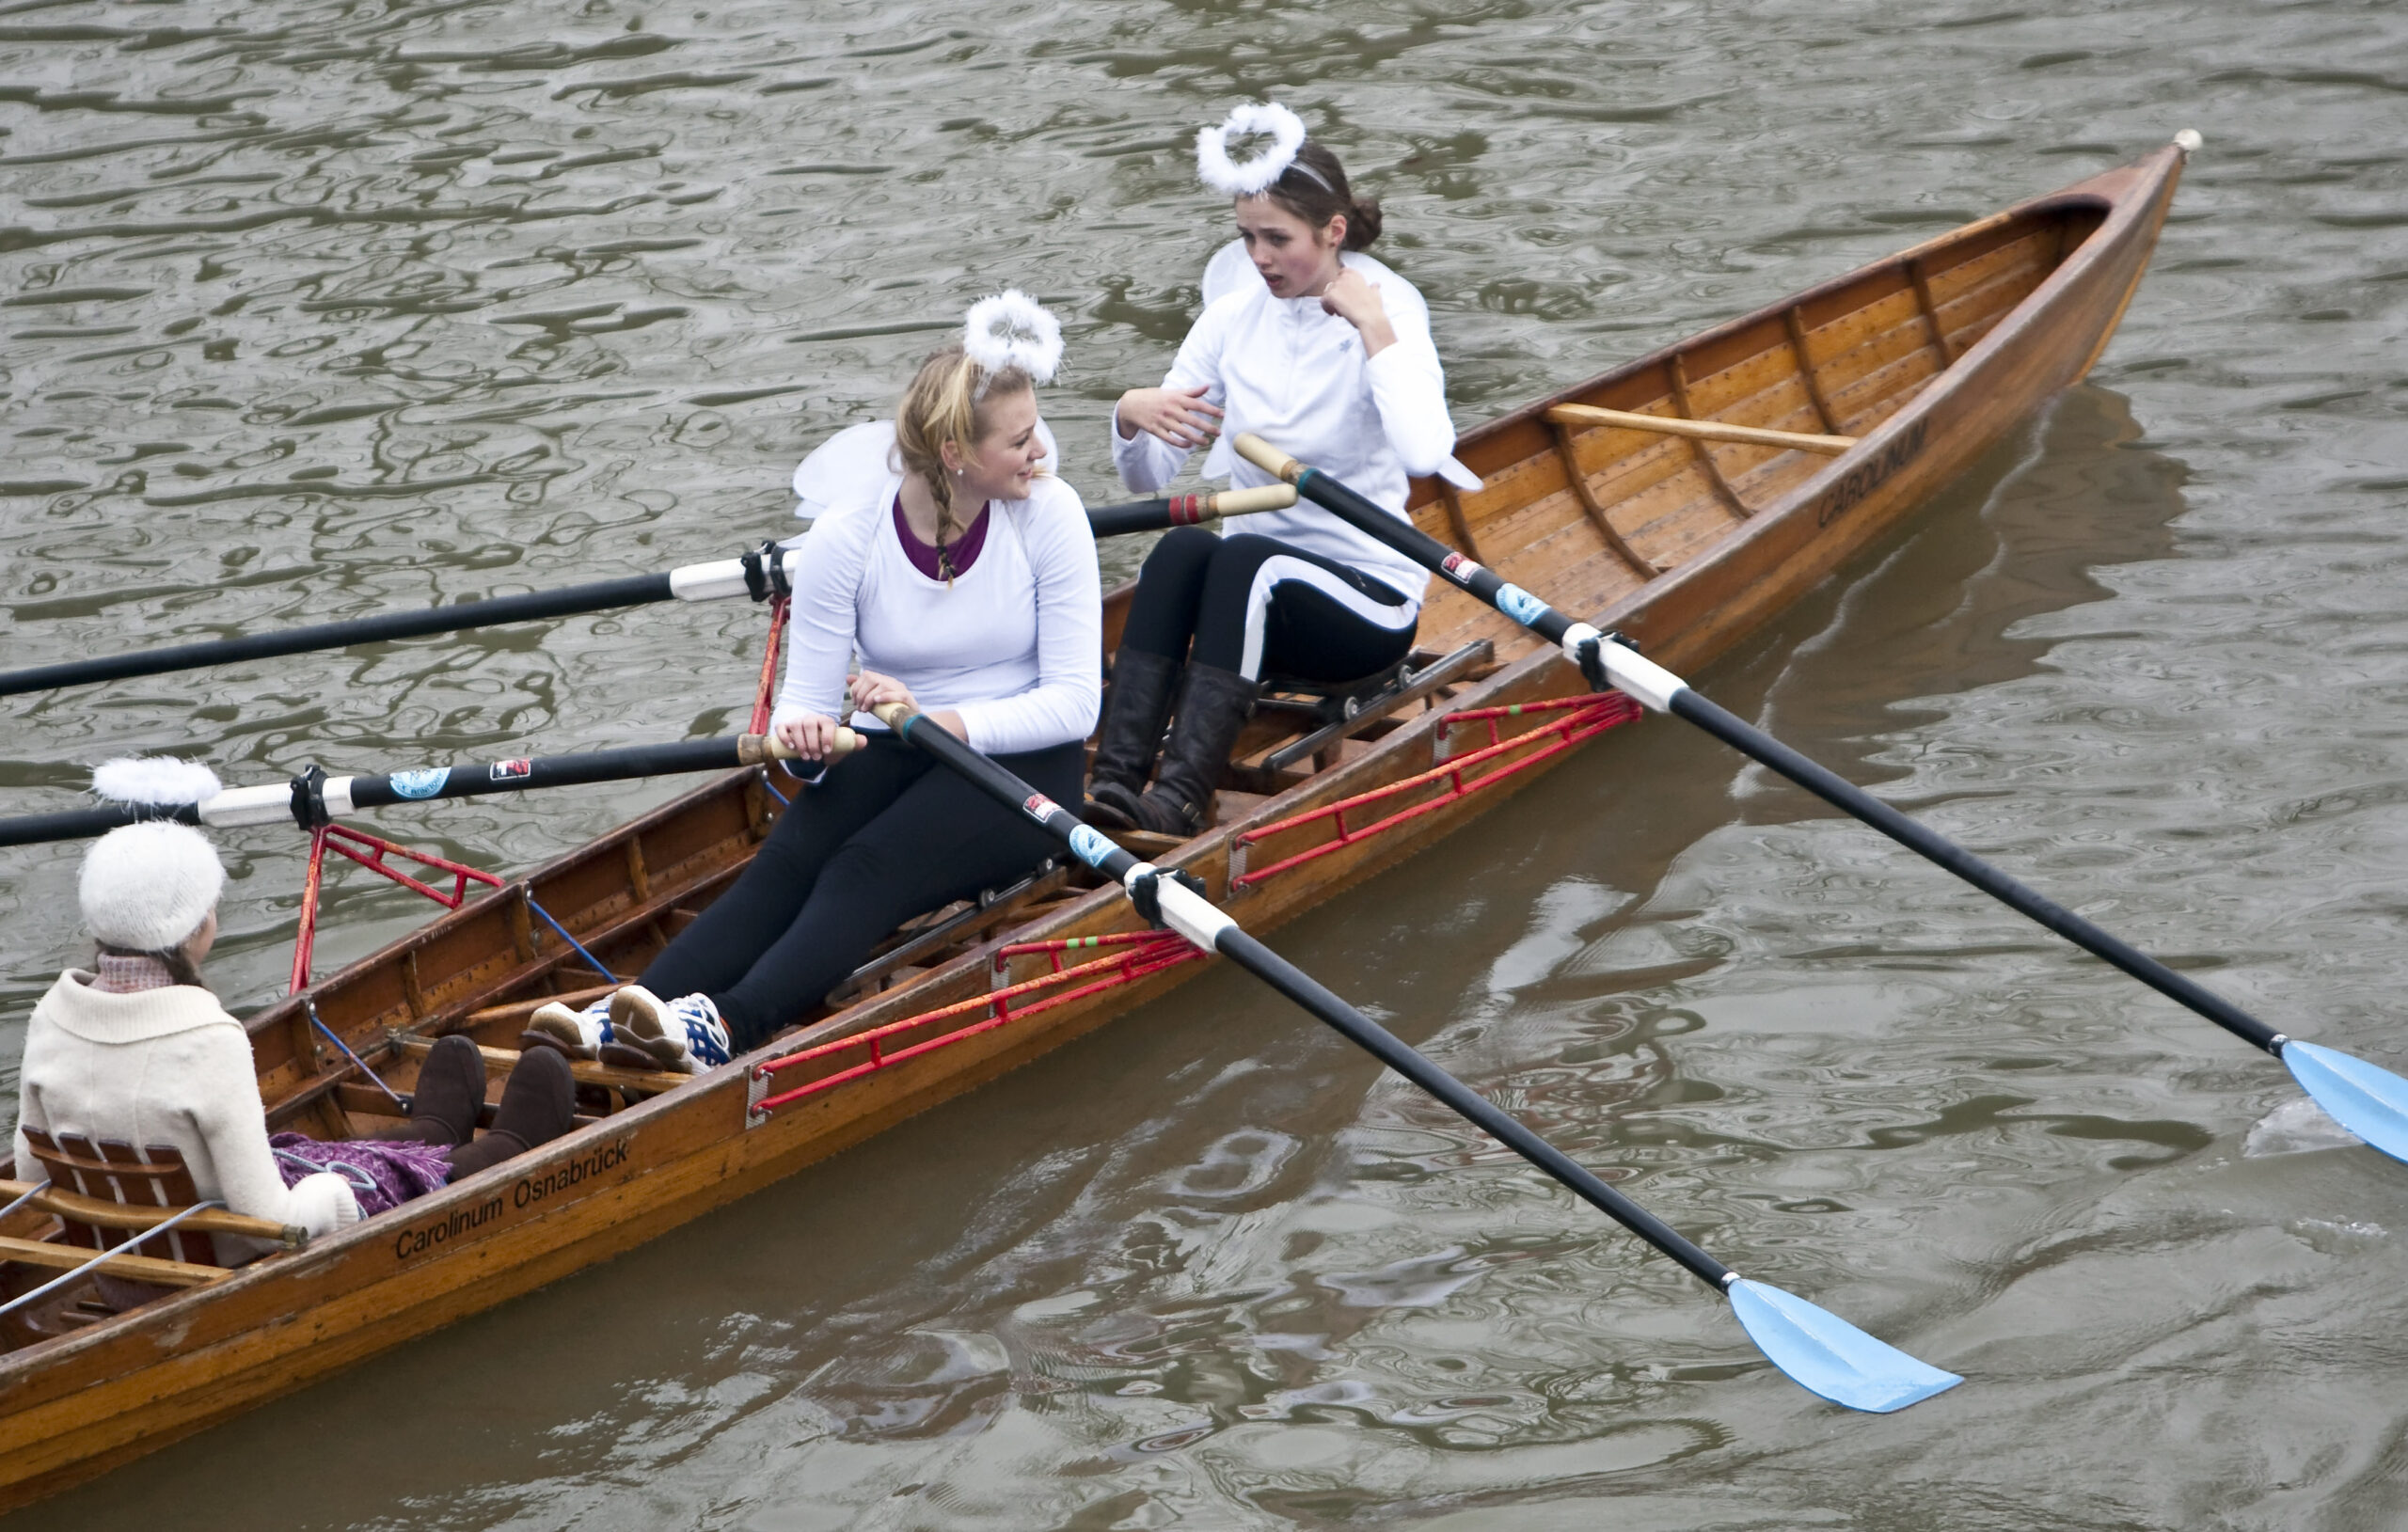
[[962, 574], [1326, 353]]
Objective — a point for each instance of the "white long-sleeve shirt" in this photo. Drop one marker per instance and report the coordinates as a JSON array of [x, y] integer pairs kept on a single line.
[[1014, 644], [1295, 374], [165, 1066]]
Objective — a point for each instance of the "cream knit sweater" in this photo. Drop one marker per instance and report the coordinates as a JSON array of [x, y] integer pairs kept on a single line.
[[166, 1066]]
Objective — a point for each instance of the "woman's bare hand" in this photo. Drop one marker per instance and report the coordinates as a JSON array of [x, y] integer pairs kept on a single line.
[[1178, 415], [1352, 298], [812, 736]]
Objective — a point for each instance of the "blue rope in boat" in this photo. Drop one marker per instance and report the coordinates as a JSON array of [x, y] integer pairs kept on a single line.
[[310, 1005], [590, 959], [773, 791]]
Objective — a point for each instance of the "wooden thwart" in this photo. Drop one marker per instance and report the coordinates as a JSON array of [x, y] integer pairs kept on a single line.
[[499, 1061], [1590, 415], [167, 1273]]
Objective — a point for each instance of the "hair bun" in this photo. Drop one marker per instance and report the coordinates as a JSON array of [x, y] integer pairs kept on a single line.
[[1362, 223]]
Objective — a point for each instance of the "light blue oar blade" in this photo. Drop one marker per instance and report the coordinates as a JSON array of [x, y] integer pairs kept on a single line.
[[2369, 1101], [1829, 1356]]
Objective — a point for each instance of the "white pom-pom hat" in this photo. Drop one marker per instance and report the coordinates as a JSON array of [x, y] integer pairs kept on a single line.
[[1011, 332], [1285, 130], [147, 887]]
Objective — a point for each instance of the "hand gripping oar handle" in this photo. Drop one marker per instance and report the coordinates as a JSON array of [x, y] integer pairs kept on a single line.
[[2369, 1101], [1818, 1349], [1187, 509], [313, 798]]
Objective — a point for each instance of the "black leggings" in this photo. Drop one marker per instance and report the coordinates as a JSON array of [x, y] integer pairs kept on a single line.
[[887, 834], [1254, 603]]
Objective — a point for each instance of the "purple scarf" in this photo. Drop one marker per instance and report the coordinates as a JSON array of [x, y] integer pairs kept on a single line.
[[399, 1169]]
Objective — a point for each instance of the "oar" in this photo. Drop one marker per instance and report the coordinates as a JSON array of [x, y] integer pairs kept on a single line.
[[1820, 1351], [1673, 425], [757, 574], [2369, 1101], [1187, 509], [312, 796]]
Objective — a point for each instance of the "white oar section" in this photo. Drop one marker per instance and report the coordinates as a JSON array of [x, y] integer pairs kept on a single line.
[[264, 805], [723, 579]]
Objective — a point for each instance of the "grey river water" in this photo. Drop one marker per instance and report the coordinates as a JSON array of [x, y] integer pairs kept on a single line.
[[312, 310]]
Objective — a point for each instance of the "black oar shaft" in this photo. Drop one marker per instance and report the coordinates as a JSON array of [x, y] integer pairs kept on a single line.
[[1482, 1113], [707, 581], [1678, 699], [314, 797], [1937, 848], [1244, 950], [603, 595], [84, 823], [480, 778]]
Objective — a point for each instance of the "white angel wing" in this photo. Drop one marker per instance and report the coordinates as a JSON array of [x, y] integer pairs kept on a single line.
[[856, 463]]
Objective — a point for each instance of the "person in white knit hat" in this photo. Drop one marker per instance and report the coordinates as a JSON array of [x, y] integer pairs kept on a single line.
[[139, 1051]]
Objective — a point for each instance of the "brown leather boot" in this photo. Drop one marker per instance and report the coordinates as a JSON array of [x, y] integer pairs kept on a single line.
[[1134, 711], [1213, 705]]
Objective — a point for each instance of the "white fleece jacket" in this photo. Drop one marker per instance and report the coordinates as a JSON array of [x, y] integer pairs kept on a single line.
[[1294, 374], [166, 1066]]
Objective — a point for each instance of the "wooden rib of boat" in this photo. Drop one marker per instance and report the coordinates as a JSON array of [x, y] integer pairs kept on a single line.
[[1928, 358]]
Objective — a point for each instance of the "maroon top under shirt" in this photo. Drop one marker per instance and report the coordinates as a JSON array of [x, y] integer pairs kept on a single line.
[[959, 554]]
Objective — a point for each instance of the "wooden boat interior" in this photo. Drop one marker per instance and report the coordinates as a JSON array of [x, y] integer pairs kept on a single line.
[[1589, 515]]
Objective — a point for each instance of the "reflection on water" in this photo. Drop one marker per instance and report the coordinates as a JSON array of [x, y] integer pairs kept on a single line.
[[312, 310]]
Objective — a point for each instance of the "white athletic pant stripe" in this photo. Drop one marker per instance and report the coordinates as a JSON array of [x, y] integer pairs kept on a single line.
[[1280, 568]]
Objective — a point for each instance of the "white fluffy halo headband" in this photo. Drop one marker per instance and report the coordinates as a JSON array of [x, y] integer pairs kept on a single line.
[[1285, 130], [1011, 332]]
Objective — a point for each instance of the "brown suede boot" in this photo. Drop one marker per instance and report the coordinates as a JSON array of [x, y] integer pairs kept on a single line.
[[538, 1104], [451, 1093]]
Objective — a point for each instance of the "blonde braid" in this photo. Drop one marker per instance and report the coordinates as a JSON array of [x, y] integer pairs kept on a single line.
[[941, 406]]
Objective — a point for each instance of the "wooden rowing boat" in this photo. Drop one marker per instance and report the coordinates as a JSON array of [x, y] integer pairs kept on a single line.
[[1926, 358]]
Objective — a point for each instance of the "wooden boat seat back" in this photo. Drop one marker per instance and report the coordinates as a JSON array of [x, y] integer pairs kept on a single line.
[[153, 1178], [107, 1170]]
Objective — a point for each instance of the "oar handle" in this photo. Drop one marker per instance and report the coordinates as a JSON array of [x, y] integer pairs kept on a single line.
[[1187, 509], [754, 750], [1606, 663]]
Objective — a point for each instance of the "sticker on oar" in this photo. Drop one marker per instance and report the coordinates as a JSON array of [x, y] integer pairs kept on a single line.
[[2365, 1099], [1827, 1355]]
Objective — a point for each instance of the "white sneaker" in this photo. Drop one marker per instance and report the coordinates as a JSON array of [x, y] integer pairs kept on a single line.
[[577, 1033], [683, 1033]]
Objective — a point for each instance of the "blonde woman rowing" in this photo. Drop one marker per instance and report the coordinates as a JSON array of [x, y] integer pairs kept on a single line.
[[961, 574]]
